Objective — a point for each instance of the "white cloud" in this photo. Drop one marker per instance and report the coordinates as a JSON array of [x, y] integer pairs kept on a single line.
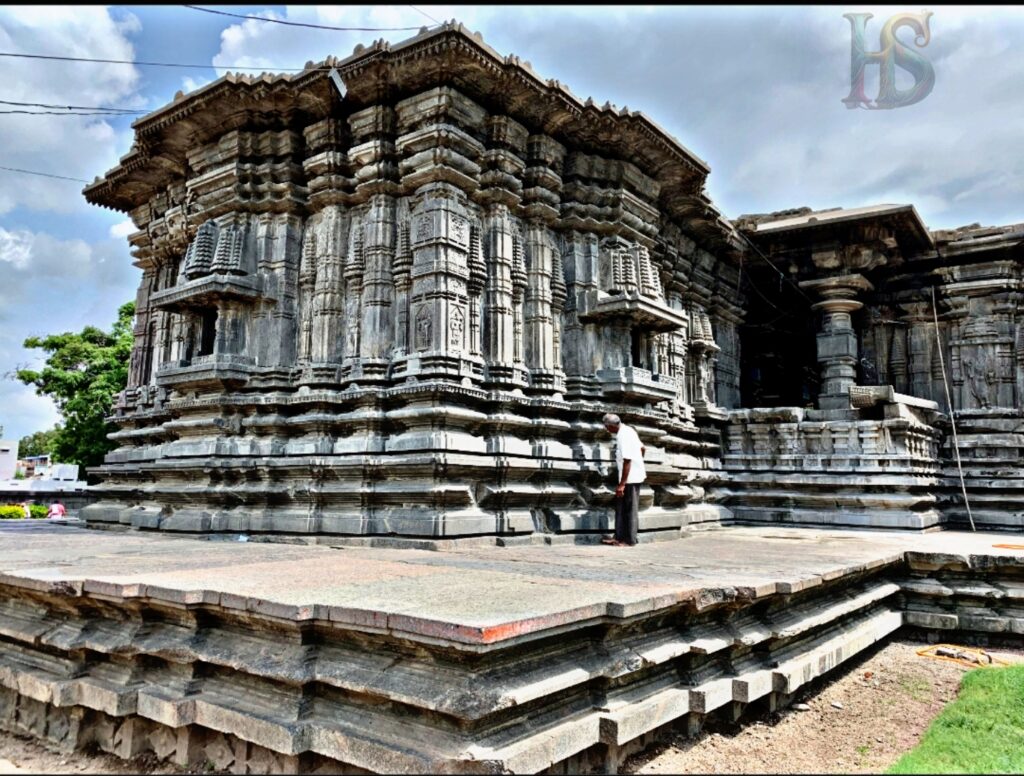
[[79, 146], [190, 84], [254, 43], [122, 229], [15, 248], [24, 412]]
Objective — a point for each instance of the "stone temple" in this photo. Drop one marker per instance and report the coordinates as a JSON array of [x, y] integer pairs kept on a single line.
[[394, 294], [384, 305], [404, 311]]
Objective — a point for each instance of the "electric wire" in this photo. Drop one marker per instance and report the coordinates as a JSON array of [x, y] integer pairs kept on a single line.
[[153, 64], [70, 107], [782, 275], [435, 21], [63, 113], [44, 174]]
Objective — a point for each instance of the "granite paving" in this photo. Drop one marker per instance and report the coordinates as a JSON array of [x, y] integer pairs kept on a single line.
[[471, 596]]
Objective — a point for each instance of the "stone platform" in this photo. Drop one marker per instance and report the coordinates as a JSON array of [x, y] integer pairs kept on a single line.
[[280, 658]]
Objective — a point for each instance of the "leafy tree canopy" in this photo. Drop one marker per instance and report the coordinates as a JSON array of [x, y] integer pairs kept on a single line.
[[83, 374], [39, 443]]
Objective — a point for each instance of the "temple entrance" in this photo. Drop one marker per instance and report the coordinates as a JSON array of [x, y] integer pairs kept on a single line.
[[778, 360]]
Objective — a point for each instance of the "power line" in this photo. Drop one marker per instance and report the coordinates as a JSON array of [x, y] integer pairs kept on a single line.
[[301, 24], [44, 174], [152, 64], [435, 21], [63, 113], [70, 107]]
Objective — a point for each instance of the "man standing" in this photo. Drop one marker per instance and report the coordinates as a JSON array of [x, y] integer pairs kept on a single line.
[[629, 457]]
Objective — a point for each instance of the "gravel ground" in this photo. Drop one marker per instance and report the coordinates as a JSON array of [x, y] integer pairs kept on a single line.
[[22, 755], [861, 721]]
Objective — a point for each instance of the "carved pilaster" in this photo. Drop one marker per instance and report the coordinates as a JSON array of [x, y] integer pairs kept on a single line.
[[539, 331], [330, 314], [353, 276], [519, 281], [142, 332], [439, 293], [307, 286], [898, 358], [558, 298], [378, 288], [703, 355], [501, 290], [475, 286], [403, 281]]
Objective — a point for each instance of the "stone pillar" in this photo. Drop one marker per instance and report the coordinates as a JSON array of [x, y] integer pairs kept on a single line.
[[837, 341], [438, 302], [353, 276], [328, 308], [377, 326], [307, 285], [538, 317], [503, 295], [923, 358], [403, 282]]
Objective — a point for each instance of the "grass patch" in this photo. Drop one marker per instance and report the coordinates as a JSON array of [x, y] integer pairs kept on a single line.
[[982, 731]]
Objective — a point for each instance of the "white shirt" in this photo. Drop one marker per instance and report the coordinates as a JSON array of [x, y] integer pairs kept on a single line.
[[627, 446]]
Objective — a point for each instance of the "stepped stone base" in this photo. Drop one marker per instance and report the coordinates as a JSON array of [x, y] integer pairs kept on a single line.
[[270, 658], [834, 469]]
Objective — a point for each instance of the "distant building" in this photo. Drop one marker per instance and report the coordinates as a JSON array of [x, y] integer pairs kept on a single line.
[[42, 467], [34, 466], [8, 458], [42, 482]]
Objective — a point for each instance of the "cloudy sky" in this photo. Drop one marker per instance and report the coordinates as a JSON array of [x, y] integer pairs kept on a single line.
[[755, 92]]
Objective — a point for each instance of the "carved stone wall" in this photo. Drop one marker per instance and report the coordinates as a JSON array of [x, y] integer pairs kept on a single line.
[[939, 309], [976, 281], [405, 310]]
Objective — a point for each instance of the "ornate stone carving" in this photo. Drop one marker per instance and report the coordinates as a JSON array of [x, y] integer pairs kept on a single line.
[[422, 274], [456, 329], [424, 329]]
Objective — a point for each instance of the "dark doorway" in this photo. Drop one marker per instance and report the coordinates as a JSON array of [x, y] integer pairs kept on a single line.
[[208, 332], [778, 347]]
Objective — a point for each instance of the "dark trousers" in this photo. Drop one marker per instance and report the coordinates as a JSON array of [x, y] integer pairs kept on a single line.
[[627, 509]]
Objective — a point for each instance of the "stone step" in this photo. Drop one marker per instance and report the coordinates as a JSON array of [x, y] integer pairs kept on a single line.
[[835, 517], [269, 713], [832, 650]]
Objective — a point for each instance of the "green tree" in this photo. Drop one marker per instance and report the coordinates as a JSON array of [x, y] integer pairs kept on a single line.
[[39, 443], [83, 374]]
